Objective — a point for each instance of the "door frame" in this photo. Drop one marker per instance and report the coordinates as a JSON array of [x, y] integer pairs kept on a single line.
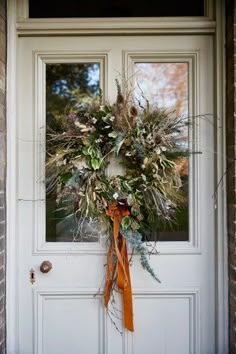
[[19, 25]]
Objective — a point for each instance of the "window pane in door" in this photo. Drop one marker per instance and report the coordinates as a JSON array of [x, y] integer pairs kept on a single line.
[[67, 86], [114, 8], [165, 86]]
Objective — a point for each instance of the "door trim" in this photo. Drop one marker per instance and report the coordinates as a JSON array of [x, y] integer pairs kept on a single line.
[[27, 27], [45, 27], [191, 295], [221, 247], [84, 26], [11, 272]]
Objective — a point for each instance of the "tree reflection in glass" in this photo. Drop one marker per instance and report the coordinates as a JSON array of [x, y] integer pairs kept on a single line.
[[165, 86], [67, 85]]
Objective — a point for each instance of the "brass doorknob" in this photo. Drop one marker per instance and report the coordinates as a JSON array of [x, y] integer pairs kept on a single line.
[[46, 266]]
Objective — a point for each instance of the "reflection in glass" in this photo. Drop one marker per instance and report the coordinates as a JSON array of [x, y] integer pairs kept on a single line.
[[65, 83], [165, 86]]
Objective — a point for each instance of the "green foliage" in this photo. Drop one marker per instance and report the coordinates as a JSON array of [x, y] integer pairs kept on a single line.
[[64, 177], [126, 222], [134, 238], [146, 141], [95, 164], [113, 134]]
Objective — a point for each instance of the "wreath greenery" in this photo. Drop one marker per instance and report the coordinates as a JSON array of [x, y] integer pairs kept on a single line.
[[145, 140]]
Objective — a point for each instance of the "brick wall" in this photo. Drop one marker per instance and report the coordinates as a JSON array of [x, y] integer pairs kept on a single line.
[[2, 170], [231, 155]]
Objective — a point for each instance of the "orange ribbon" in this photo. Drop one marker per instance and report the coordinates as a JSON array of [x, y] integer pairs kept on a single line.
[[121, 268]]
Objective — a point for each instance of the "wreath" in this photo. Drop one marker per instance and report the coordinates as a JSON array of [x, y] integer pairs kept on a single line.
[[128, 206]]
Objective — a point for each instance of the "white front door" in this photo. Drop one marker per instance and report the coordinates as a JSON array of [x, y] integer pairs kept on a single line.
[[59, 313]]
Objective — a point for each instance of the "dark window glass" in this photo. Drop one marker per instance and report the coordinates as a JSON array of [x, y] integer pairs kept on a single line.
[[114, 8], [64, 84]]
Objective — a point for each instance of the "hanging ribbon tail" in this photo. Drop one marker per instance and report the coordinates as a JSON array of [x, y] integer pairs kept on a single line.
[[110, 274], [127, 293], [119, 249]]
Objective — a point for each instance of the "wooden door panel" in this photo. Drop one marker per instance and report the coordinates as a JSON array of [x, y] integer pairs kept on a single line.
[[60, 310]]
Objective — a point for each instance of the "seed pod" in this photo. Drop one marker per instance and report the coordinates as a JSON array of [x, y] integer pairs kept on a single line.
[[133, 111], [120, 99]]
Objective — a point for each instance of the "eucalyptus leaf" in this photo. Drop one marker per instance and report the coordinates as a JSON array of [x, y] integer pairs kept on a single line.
[[138, 131], [119, 142], [85, 151], [130, 199], [144, 177], [95, 164], [126, 222], [107, 117], [134, 211], [65, 177], [127, 186], [113, 134], [90, 150]]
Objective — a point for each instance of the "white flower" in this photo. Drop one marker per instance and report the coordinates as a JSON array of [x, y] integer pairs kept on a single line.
[[80, 125], [115, 195]]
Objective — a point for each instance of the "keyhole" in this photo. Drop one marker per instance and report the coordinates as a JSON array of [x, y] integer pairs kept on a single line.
[[32, 276]]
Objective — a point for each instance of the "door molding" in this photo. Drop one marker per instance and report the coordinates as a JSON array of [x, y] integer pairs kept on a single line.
[[221, 247], [45, 27], [20, 25], [12, 243], [191, 296], [98, 26]]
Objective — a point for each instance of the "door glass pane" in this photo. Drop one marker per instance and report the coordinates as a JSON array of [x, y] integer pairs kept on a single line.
[[67, 86], [114, 8], [165, 85]]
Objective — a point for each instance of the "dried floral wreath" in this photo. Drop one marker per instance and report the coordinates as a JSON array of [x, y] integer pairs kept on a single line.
[[146, 142]]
